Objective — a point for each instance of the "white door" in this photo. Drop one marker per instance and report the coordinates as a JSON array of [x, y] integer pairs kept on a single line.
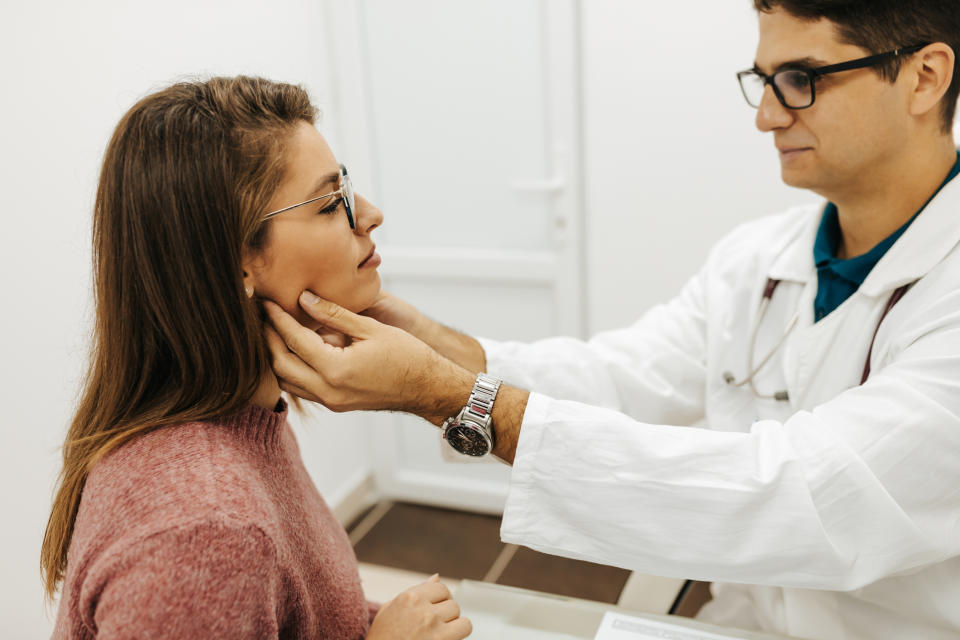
[[460, 120]]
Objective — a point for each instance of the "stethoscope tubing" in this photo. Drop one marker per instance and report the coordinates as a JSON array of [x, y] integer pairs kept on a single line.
[[771, 286]]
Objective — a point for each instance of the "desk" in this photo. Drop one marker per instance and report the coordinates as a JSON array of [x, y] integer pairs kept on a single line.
[[499, 612]]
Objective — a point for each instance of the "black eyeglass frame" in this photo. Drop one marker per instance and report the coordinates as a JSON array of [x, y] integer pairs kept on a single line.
[[816, 72]]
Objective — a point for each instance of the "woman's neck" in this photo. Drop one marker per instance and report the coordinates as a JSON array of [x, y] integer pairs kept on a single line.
[[268, 392]]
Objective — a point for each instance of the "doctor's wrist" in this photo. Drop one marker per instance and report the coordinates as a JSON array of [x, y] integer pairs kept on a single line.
[[444, 392]]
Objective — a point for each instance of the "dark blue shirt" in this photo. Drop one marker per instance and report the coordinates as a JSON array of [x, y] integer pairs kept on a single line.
[[838, 279]]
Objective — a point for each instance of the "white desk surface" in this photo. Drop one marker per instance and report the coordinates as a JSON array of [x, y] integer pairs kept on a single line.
[[499, 612]]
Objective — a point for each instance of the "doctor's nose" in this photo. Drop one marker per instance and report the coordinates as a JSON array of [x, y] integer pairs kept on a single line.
[[369, 217], [771, 114]]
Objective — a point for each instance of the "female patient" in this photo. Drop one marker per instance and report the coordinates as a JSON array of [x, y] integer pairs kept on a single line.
[[184, 510]]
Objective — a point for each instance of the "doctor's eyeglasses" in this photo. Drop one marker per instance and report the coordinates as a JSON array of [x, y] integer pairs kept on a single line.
[[795, 87], [345, 193]]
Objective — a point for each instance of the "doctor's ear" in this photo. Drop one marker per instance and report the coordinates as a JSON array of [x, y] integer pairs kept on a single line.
[[934, 71]]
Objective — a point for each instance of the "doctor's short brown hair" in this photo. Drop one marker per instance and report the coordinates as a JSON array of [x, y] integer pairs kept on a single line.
[[884, 25]]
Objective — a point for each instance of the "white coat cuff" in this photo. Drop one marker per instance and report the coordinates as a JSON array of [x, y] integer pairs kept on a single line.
[[517, 513]]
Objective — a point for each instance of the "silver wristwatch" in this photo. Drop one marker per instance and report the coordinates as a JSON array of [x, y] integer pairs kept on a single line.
[[470, 432]]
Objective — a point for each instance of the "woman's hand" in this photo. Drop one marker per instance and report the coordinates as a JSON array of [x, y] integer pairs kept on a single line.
[[424, 612]]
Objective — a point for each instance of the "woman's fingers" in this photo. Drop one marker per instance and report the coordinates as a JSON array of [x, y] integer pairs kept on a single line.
[[433, 590], [447, 610], [458, 629]]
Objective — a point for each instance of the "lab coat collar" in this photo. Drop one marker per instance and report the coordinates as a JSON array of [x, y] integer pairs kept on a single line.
[[795, 263], [925, 243]]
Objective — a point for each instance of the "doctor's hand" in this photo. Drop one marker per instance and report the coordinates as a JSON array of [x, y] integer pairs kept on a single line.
[[424, 612], [377, 367], [389, 309], [452, 344]]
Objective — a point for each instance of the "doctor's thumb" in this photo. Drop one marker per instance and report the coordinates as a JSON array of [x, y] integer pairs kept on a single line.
[[332, 315]]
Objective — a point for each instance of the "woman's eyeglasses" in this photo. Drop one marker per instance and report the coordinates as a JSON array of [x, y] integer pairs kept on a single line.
[[345, 192]]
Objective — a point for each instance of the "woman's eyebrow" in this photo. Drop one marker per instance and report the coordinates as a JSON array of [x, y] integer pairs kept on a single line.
[[333, 176]]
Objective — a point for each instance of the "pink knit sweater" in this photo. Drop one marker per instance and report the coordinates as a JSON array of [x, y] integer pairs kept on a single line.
[[210, 530]]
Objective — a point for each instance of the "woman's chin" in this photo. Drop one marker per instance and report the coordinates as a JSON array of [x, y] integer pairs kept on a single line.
[[354, 304], [362, 302]]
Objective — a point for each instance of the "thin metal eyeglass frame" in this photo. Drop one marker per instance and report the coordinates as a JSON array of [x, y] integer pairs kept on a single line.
[[345, 192], [813, 74]]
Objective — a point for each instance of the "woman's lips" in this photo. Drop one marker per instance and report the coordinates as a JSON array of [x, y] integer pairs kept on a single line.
[[372, 260]]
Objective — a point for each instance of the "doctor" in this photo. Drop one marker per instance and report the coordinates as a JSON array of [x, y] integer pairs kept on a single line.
[[818, 348]]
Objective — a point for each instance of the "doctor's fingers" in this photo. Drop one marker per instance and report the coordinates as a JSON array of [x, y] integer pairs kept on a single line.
[[298, 338], [334, 338], [300, 392], [323, 373], [333, 316], [290, 367]]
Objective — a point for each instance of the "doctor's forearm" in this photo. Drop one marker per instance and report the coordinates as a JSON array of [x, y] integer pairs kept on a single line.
[[452, 344], [447, 391], [507, 417]]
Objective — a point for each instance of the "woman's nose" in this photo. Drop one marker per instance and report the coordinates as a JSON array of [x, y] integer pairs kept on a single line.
[[368, 216]]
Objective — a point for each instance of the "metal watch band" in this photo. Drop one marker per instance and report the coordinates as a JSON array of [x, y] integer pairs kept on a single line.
[[476, 418], [480, 405]]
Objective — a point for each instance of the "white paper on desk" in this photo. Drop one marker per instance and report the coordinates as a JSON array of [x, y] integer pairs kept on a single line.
[[616, 626]]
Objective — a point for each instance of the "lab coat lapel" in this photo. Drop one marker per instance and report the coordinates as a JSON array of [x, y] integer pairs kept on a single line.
[[925, 243], [795, 265], [840, 342]]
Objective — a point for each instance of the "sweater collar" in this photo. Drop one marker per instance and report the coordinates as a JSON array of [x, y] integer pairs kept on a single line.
[[256, 424]]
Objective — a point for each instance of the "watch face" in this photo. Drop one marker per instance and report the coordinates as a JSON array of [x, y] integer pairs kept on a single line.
[[468, 440]]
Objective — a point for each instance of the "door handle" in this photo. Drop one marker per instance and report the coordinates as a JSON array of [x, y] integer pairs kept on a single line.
[[547, 186]]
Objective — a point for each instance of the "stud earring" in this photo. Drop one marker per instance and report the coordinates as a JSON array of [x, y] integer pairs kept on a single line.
[[249, 291]]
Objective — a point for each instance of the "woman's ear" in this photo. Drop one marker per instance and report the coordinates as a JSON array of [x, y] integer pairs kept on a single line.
[[249, 278]]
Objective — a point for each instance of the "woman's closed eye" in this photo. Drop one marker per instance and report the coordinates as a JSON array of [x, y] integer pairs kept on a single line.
[[332, 207]]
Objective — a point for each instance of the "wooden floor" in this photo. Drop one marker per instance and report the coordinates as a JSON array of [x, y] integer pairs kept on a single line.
[[416, 540]]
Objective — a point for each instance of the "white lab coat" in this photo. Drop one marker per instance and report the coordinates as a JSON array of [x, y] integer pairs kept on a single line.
[[833, 515]]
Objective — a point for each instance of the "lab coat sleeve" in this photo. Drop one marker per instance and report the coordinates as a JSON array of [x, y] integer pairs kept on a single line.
[[653, 370], [863, 487]]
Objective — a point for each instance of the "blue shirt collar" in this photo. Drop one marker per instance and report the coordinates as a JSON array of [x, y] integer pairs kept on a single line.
[[856, 269]]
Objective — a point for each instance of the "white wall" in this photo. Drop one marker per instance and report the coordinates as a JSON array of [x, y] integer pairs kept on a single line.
[[673, 160], [70, 70]]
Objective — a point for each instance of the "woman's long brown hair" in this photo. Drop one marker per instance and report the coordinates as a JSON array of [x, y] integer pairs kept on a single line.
[[186, 178]]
